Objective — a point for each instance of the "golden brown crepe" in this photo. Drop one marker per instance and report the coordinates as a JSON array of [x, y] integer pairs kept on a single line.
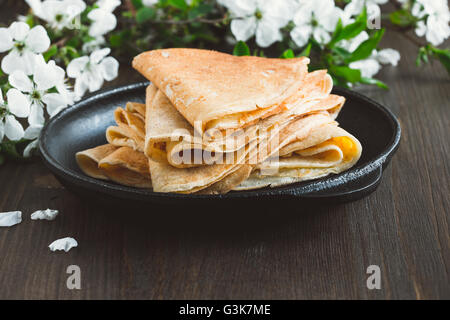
[[214, 90], [128, 167], [136, 108], [170, 138], [327, 149], [124, 136], [88, 160]]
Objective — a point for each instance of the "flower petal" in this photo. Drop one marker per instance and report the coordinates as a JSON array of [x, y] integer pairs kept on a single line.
[[98, 55], [11, 62], [37, 40], [27, 152], [108, 5], [76, 66], [386, 56], [301, 34], [243, 29], [110, 68], [267, 33], [103, 22], [36, 6], [18, 103], [20, 80], [19, 30], [48, 75], [321, 35], [32, 132], [36, 117], [94, 79], [240, 8], [6, 41], [2, 129], [13, 128], [368, 67], [55, 102], [80, 87]]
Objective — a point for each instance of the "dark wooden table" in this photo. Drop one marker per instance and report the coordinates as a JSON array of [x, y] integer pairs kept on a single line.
[[301, 252]]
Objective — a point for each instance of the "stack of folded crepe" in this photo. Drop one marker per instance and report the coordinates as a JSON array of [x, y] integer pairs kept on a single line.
[[213, 122]]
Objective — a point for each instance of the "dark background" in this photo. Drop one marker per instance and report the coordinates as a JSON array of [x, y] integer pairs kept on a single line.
[[280, 250]]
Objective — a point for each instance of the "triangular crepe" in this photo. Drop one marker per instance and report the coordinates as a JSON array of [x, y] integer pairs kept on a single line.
[[214, 90], [170, 137]]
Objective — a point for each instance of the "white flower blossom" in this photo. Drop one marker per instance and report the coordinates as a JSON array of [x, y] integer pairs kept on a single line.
[[263, 18], [59, 14], [45, 76], [23, 45], [317, 19], [435, 26], [91, 71], [372, 65], [17, 105], [103, 20], [355, 7]]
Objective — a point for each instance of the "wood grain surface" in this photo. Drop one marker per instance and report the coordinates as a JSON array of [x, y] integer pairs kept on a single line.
[[279, 250]]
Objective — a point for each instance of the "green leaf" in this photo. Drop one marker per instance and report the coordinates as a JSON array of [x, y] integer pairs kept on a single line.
[[180, 4], [145, 14], [127, 14], [71, 52], [137, 4], [50, 52], [2, 159], [365, 49], [288, 54], [376, 82], [444, 57], [200, 10], [116, 40], [9, 149], [74, 42], [402, 18], [306, 51], [241, 49], [422, 56], [342, 53], [349, 31], [350, 75]]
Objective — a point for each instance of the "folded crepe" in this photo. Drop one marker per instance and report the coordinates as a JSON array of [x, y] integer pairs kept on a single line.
[[88, 160], [325, 150], [214, 90], [128, 167], [130, 128], [119, 164], [171, 138]]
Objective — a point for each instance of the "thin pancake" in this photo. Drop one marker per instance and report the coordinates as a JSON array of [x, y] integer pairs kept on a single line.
[[128, 167], [327, 150], [88, 160], [207, 86]]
